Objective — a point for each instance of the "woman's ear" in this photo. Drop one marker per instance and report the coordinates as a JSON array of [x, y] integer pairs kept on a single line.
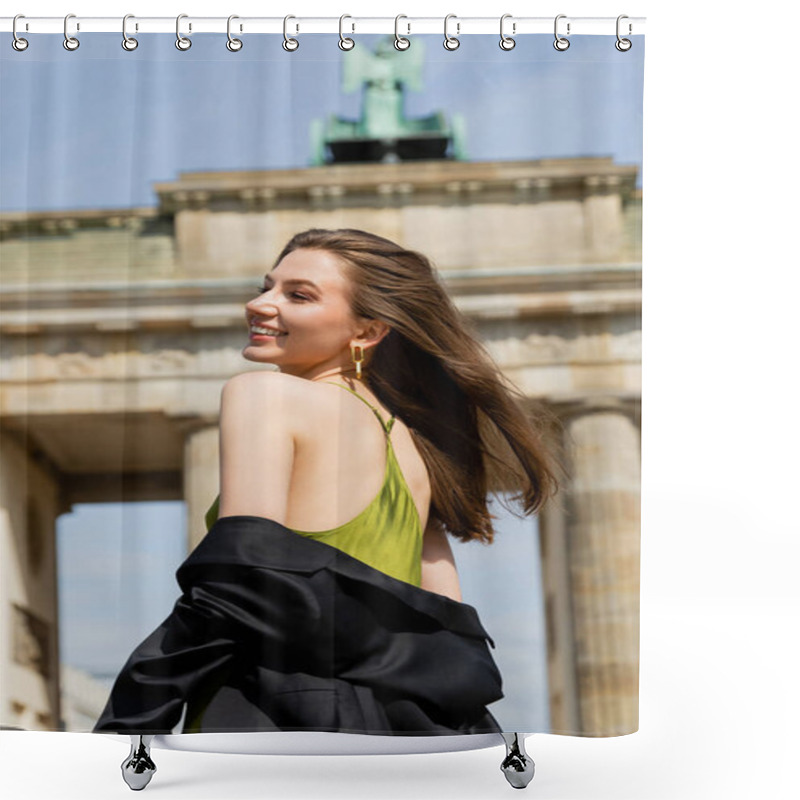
[[372, 332]]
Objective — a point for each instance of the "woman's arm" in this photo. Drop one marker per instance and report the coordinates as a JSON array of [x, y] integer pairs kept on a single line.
[[438, 565], [256, 446]]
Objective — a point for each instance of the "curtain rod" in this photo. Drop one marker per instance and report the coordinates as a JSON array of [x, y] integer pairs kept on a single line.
[[456, 26]]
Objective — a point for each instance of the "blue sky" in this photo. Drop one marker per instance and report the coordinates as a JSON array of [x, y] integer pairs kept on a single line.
[[98, 127]]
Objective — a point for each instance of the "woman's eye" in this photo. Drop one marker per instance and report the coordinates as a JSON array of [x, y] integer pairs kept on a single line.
[[262, 289]]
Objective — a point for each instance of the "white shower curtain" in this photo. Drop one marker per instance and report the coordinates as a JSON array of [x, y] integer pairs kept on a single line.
[[145, 195]]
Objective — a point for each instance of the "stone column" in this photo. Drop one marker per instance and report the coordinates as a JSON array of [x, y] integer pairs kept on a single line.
[[200, 475], [603, 540], [29, 665], [561, 674]]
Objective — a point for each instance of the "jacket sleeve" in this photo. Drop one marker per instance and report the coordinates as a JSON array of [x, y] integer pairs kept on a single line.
[[226, 616], [192, 649]]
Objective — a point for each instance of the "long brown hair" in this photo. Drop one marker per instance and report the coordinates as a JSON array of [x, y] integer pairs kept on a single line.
[[468, 421]]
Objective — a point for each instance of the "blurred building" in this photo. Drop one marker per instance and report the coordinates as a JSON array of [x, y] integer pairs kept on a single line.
[[83, 698]]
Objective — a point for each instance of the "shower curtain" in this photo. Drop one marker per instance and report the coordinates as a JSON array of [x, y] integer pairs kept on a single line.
[[145, 193]]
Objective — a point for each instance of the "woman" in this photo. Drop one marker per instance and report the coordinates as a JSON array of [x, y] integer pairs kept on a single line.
[[356, 624]]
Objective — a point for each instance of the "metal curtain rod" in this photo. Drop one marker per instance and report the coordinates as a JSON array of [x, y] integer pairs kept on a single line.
[[513, 26]]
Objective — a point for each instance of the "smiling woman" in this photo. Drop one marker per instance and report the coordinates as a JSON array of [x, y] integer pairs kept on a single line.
[[324, 595]]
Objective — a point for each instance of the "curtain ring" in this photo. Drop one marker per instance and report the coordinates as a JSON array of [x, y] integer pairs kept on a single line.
[[344, 43], [451, 42], [400, 42], [561, 43], [233, 44], [623, 45], [18, 43], [506, 42], [289, 44], [128, 42], [182, 42], [70, 42]]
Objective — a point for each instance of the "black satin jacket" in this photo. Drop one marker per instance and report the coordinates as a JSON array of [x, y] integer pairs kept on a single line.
[[277, 631]]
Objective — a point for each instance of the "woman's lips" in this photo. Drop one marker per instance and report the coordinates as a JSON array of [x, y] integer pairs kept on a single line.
[[261, 337]]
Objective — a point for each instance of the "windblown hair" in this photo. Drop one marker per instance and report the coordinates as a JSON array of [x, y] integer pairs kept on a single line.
[[474, 429]]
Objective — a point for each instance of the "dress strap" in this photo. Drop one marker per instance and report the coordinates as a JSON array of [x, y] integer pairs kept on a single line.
[[387, 426]]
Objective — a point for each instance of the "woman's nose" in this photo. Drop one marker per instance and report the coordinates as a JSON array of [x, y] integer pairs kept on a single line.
[[261, 303]]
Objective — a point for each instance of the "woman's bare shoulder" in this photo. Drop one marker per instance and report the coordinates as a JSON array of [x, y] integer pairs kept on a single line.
[[268, 380], [295, 397], [286, 396]]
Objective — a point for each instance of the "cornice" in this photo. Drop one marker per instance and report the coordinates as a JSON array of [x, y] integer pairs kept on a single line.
[[405, 182], [66, 222], [570, 406], [345, 185]]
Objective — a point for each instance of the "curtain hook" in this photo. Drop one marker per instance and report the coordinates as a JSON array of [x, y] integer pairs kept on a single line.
[[70, 42], [289, 44], [506, 42], [561, 43], [128, 42], [182, 42], [400, 42], [18, 43], [623, 45], [451, 42], [344, 43], [233, 44]]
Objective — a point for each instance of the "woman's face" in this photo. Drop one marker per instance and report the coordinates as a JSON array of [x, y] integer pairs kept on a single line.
[[306, 300]]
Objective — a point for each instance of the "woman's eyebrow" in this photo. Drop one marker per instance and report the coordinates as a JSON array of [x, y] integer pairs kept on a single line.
[[295, 281]]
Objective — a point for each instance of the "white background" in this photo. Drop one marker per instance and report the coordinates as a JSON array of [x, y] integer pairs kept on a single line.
[[719, 619]]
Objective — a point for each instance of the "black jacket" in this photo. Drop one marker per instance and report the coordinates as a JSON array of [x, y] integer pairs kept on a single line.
[[277, 631]]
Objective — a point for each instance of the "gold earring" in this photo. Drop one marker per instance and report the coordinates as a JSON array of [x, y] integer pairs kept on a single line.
[[358, 360]]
